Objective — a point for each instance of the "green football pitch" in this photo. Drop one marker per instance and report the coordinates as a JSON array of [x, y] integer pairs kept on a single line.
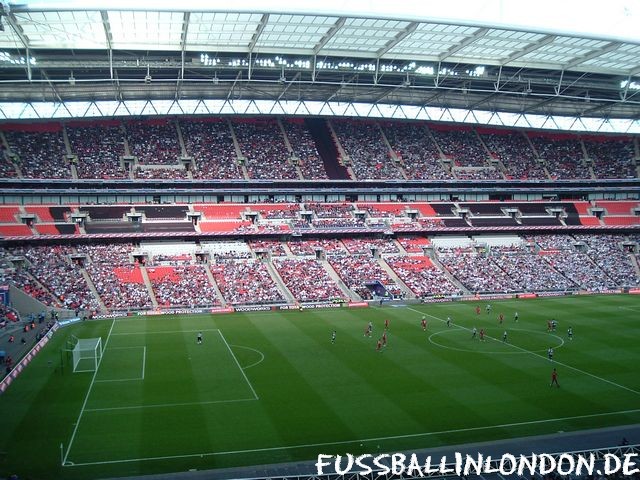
[[272, 387]]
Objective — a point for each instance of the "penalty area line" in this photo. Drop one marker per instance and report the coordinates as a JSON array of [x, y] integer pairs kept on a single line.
[[344, 442]]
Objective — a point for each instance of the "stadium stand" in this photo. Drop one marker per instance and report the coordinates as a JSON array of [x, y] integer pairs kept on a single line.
[[99, 147], [461, 145], [369, 155], [307, 280], [182, 286], [153, 141], [304, 149], [361, 272], [613, 157], [514, 151], [262, 144], [210, 144], [416, 150], [246, 282], [562, 154], [40, 150], [421, 276]]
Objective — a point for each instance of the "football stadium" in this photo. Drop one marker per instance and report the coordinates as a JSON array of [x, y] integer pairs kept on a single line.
[[249, 241]]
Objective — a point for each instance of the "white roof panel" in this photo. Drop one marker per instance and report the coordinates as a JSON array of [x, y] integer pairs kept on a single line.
[[70, 29], [299, 31], [150, 30]]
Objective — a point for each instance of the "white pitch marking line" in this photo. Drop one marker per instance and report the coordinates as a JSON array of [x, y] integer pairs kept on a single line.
[[238, 363], [540, 356], [630, 309], [167, 332], [362, 440], [253, 350], [169, 405], [118, 380], [86, 398], [144, 360]]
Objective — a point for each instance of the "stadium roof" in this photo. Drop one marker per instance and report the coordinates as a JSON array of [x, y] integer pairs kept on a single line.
[[392, 54]]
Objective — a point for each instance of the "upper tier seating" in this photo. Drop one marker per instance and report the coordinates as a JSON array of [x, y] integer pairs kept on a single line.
[[154, 142], [461, 146], [415, 148], [612, 157], [513, 150], [99, 149], [304, 148], [563, 156], [210, 144], [363, 143], [40, 154], [262, 143]]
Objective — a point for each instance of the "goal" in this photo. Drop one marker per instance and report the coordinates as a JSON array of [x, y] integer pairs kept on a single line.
[[87, 353]]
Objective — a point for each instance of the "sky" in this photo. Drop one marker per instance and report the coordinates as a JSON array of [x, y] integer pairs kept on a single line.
[[612, 19]]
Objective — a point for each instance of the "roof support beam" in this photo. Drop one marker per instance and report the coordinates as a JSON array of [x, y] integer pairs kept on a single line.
[[183, 40], [604, 106], [340, 87], [594, 54], [329, 35], [258, 32], [466, 42], [634, 71], [11, 19], [118, 89], [233, 85], [401, 35], [53, 87], [183, 45], [109, 38], [286, 87], [546, 40]]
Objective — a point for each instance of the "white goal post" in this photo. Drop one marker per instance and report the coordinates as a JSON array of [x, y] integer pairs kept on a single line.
[[87, 353]]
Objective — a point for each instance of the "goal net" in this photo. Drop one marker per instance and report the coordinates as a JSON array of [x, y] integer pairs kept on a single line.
[[87, 353]]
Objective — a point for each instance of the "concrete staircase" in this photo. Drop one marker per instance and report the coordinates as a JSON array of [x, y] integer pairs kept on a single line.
[[147, 282], [92, 288], [280, 283], [67, 143], [436, 261], [336, 278], [183, 149], [634, 261], [214, 284], [396, 160], [408, 293]]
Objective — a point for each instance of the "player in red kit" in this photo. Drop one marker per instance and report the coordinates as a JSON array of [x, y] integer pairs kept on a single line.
[[501, 318], [554, 378], [386, 324], [379, 346], [424, 323], [384, 339], [477, 309], [482, 334]]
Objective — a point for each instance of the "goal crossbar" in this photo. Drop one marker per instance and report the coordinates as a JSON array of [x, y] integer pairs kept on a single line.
[[87, 353]]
